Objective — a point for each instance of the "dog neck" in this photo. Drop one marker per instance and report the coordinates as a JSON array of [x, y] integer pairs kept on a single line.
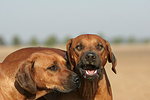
[[29, 96], [89, 88], [25, 94], [41, 93]]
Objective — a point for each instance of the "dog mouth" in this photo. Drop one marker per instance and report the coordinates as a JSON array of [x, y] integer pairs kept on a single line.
[[90, 72]]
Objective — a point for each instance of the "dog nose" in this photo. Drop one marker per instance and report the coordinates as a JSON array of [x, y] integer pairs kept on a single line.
[[90, 57], [76, 79]]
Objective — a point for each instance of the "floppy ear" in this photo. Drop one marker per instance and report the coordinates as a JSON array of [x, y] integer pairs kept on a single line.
[[111, 57], [24, 78], [67, 61], [68, 48]]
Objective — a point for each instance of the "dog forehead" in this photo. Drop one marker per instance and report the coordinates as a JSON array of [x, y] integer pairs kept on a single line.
[[59, 58], [55, 57], [88, 39], [47, 60]]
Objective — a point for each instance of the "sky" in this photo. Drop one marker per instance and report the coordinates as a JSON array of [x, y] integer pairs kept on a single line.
[[70, 18]]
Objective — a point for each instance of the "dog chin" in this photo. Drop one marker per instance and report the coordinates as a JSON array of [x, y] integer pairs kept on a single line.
[[90, 74], [62, 91]]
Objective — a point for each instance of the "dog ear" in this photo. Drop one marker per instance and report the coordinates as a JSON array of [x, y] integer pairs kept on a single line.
[[67, 61], [111, 57], [24, 78], [68, 48]]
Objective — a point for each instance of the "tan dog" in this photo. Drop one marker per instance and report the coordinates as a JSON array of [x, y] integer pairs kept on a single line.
[[88, 55], [36, 75]]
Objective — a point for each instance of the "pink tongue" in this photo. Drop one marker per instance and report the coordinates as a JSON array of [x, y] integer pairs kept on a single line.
[[90, 71]]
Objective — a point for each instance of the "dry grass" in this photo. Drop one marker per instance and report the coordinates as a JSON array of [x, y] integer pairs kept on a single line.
[[132, 81]]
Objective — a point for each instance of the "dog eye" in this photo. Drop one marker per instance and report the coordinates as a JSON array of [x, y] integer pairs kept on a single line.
[[53, 68], [79, 47], [99, 47]]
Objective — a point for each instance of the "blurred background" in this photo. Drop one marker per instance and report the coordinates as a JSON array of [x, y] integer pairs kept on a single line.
[[124, 23]]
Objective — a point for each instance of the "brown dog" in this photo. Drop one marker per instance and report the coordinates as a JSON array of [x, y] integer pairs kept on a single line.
[[36, 75], [88, 55]]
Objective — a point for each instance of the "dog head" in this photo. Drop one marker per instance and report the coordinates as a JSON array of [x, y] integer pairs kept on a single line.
[[46, 71], [88, 54]]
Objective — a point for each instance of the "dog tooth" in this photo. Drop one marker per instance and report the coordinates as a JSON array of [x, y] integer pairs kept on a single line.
[[86, 72], [95, 71]]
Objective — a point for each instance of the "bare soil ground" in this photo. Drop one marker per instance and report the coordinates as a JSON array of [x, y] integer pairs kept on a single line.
[[132, 81]]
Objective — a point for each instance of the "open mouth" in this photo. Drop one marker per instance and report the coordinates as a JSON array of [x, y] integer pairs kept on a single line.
[[90, 72]]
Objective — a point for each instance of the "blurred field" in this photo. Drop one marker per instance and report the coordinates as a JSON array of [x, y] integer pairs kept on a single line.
[[132, 81]]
